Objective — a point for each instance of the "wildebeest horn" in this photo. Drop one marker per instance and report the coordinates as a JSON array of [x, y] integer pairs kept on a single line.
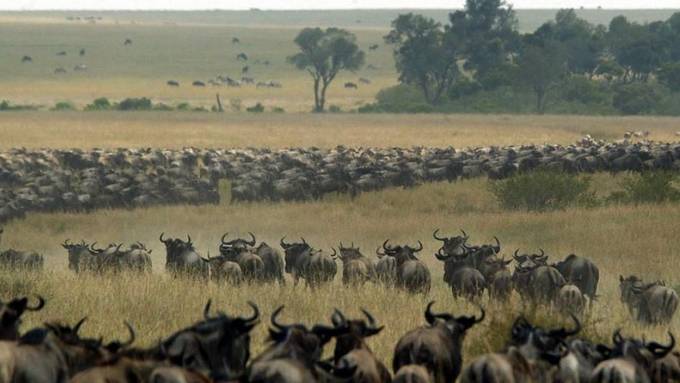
[[434, 235], [188, 238], [338, 318], [163, 240], [497, 248], [378, 253], [65, 244], [542, 252], [118, 247], [303, 240], [341, 246], [132, 337], [275, 314], [372, 327], [76, 328], [430, 317], [442, 257], [223, 238], [256, 313], [469, 321], [95, 250], [385, 247], [506, 263], [420, 247], [206, 309], [516, 255], [284, 244], [252, 242], [563, 332], [335, 253], [659, 350], [464, 234], [40, 305], [616, 337]]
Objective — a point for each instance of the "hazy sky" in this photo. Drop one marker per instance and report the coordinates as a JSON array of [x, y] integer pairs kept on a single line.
[[315, 4]]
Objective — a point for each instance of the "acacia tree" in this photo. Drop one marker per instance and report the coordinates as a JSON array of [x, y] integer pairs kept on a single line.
[[426, 56], [540, 67], [324, 53]]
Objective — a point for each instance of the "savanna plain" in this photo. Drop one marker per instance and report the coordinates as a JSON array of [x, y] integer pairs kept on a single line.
[[620, 239]]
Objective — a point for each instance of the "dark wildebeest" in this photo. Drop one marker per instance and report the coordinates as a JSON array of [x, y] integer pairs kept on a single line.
[[59, 71], [498, 278], [127, 42], [294, 354], [21, 260], [62, 53], [241, 251], [581, 272], [570, 299], [198, 83], [351, 85], [136, 259], [242, 57], [654, 303], [538, 284], [352, 356], [437, 346], [172, 83], [364, 80], [182, 259], [27, 59], [82, 52], [530, 260], [373, 47], [224, 270], [302, 261], [386, 269], [356, 268], [235, 40], [10, 316], [412, 274], [245, 69], [273, 263], [631, 360], [452, 250]]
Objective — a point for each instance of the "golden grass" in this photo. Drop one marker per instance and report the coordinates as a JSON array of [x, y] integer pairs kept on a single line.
[[620, 239], [178, 129]]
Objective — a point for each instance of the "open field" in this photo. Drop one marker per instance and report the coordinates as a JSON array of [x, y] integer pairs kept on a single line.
[[621, 240], [181, 129]]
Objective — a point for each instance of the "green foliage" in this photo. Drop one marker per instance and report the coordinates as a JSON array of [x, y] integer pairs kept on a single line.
[[257, 108], [648, 187], [398, 99], [669, 75], [636, 98], [335, 109], [134, 104], [583, 90], [163, 107], [324, 54], [7, 106], [278, 109], [541, 67], [542, 190], [63, 105], [101, 103], [183, 106]]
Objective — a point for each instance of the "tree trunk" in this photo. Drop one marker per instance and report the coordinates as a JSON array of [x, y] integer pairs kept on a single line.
[[540, 100], [317, 107], [322, 98], [219, 103]]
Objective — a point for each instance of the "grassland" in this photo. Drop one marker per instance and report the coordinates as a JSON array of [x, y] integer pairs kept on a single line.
[[86, 130], [621, 239]]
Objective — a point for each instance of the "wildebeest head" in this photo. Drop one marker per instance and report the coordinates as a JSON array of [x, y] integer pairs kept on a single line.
[[236, 245], [537, 343], [117, 345], [456, 325], [642, 352], [485, 251], [10, 316], [530, 260], [76, 251], [400, 253], [218, 345], [451, 246], [80, 353], [359, 329], [294, 251], [349, 253], [176, 245]]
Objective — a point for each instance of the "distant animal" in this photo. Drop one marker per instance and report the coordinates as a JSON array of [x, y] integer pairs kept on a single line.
[[266, 63], [172, 83], [27, 59], [62, 53], [127, 42], [351, 85], [364, 80], [247, 80], [59, 71], [80, 68], [82, 52], [242, 57], [373, 47], [198, 83], [235, 40], [245, 69]]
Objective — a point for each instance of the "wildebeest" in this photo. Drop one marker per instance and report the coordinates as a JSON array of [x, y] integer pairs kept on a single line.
[[364, 80], [451, 252], [224, 270], [295, 352], [27, 59], [570, 299], [386, 269], [80, 256], [356, 268], [10, 316], [235, 40], [373, 47], [245, 69], [351, 85], [539, 284], [127, 41], [412, 274], [653, 303], [80, 68], [241, 251], [438, 346], [182, 258], [302, 261], [82, 52], [352, 356], [172, 83], [581, 272], [412, 373], [530, 260], [61, 53], [242, 57], [198, 83], [59, 71], [21, 260], [498, 278], [273, 263]]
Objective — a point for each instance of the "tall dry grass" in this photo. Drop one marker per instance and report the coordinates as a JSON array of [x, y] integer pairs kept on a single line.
[[620, 239]]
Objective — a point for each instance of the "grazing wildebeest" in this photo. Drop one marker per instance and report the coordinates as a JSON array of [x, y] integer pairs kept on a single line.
[[242, 57], [245, 69], [364, 80], [127, 42], [198, 83], [412, 274], [302, 261], [438, 346], [295, 352], [352, 356], [27, 59], [59, 71], [373, 47], [10, 316], [172, 83], [581, 272], [351, 85], [182, 258], [356, 268], [62, 53], [654, 303], [82, 52]]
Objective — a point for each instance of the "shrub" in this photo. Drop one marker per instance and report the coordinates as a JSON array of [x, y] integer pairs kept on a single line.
[[669, 75], [183, 106], [542, 190], [257, 108], [135, 104], [334, 109], [648, 187], [101, 103], [6, 106], [278, 109], [163, 107], [581, 89], [636, 98], [64, 105]]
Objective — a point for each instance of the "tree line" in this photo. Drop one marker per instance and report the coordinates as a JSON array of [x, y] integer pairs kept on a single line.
[[480, 57]]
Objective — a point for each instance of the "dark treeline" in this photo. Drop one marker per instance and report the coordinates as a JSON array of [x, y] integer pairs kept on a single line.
[[479, 62]]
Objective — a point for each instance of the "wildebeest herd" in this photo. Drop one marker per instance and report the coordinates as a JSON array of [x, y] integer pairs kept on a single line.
[[470, 271], [75, 180]]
